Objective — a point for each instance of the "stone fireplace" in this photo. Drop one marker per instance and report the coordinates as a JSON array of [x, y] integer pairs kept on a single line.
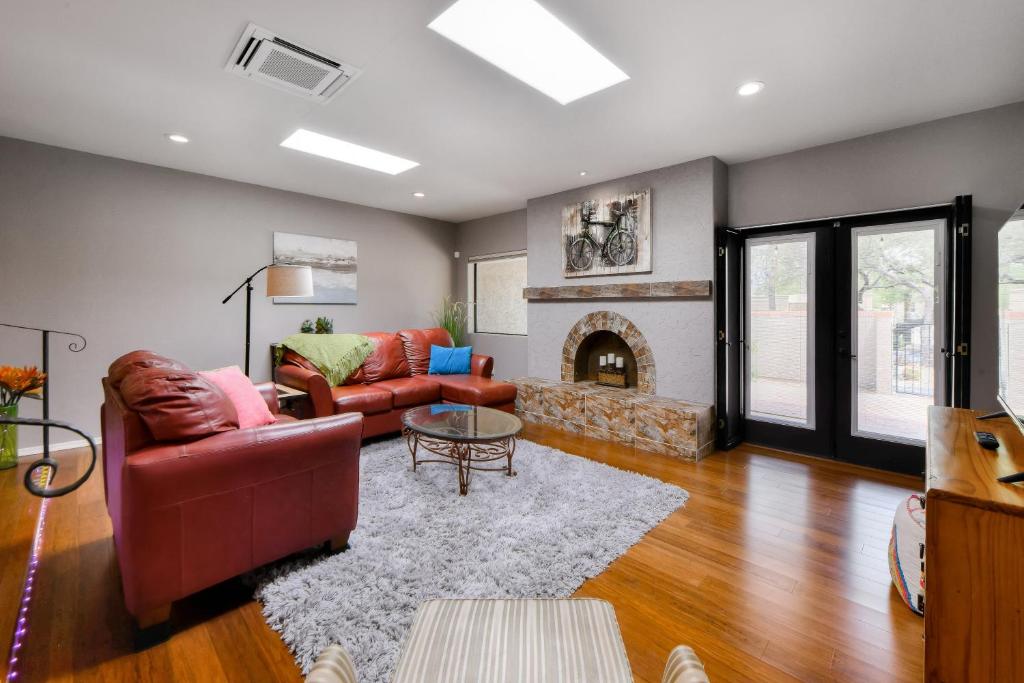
[[603, 332], [665, 317], [634, 416]]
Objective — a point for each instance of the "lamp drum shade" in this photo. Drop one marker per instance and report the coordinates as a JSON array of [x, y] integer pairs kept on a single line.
[[284, 280]]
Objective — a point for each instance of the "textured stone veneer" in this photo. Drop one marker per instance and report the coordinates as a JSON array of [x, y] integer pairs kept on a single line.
[[646, 423], [620, 325]]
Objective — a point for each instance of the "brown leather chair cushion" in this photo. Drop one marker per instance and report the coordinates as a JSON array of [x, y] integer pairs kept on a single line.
[[361, 398], [417, 346], [472, 390], [137, 360], [177, 405], [411, 391], [387, 360]]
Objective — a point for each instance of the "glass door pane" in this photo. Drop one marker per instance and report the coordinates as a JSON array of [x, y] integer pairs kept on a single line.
[[897, 328], [780, 329]]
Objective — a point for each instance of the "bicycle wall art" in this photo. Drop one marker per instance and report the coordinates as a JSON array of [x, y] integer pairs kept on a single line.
[[607, 236]]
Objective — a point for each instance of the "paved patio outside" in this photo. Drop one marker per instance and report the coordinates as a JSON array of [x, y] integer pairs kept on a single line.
[[901, 415]]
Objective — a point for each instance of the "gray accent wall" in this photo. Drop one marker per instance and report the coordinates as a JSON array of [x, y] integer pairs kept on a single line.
[[981, 154], [686, 201], [498, 234], [137, 256]]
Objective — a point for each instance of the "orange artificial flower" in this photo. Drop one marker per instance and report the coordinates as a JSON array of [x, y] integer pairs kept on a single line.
[[15, 382]]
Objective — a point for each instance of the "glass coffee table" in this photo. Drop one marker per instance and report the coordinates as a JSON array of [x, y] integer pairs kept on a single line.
[[464, 436]]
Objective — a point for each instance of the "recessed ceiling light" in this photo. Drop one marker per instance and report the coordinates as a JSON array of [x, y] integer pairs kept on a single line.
[[525, 40], [325, 146], [583, 173], [176, 137], [418, 194], [750, 88]]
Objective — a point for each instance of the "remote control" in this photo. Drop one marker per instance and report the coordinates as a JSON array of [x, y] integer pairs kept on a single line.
[[1012, 478], [987, 440]]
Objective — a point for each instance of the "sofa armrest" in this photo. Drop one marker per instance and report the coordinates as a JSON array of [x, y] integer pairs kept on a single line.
[[167, 474], [313, 383], [268, 390], [684, 666], [482, 366]]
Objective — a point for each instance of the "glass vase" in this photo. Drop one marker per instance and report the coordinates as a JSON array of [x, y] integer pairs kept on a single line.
[[8, 439]]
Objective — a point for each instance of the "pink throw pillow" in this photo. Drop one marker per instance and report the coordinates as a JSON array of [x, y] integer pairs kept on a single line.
[[249, 404]]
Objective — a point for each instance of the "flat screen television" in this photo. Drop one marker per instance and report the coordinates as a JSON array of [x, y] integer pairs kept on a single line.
[[1011, 317]]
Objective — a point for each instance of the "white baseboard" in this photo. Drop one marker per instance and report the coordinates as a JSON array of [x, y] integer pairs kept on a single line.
[[60, 446]]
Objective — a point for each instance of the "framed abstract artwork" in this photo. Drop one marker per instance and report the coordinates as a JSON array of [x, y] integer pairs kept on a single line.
[[333, 262]]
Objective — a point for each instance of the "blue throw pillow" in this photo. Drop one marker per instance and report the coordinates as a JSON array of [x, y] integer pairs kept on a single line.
[[442, 408], [449, 361]]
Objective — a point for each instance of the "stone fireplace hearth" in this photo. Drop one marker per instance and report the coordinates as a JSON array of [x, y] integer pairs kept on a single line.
[[649, 424]]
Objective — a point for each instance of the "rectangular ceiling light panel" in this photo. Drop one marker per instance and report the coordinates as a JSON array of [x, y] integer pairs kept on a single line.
[[530, 43], [325, 146]]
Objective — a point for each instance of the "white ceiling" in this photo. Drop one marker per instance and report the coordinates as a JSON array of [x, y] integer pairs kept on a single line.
[[111, 77]]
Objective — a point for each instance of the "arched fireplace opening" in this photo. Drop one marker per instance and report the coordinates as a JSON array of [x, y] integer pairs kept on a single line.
[[634, 347], [598, 345]]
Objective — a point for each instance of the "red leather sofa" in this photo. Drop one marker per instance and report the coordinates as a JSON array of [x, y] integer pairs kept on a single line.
[[188, 514], [394, 378]]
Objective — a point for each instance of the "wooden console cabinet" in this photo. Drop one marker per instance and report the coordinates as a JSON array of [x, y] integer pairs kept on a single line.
[[974, 547]]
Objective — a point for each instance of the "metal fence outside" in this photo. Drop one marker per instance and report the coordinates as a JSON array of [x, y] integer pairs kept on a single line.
[[913, 358]]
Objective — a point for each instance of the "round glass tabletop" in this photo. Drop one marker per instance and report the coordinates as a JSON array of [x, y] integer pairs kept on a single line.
[[461, 423]]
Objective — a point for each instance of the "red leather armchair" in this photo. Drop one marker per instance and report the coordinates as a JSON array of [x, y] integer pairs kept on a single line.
[[394, 378], [188, 515]]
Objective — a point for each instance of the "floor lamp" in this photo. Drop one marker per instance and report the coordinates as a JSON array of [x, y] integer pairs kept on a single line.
[[282, 280]]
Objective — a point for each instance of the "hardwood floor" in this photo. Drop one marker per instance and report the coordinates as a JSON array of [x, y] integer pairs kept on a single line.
[[774, 570]]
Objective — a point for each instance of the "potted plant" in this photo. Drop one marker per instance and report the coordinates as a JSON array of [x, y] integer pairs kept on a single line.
[[452, 317], [14, 383], [324, 325]]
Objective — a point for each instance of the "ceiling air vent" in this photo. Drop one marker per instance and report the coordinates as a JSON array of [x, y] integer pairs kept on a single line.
[[283, 64]]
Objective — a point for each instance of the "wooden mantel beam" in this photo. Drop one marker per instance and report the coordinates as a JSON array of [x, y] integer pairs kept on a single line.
[[674, 289]]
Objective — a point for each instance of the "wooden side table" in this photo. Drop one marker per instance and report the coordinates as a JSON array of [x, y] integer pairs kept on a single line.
[[294, 402]]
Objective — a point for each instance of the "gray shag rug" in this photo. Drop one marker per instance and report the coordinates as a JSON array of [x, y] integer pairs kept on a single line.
[[562, 520]]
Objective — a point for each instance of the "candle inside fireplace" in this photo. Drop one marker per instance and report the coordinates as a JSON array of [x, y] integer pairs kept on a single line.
[[618, 362], [611, 359], [604, 360]]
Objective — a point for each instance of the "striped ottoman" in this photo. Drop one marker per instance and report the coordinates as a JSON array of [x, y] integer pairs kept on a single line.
[[494, 641]]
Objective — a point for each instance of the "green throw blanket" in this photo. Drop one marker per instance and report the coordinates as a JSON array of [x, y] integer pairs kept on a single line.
[[335, 355]]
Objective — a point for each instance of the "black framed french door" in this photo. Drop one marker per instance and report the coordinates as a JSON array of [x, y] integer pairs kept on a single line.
[[835, 335], [892, 362], [787, 344]]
